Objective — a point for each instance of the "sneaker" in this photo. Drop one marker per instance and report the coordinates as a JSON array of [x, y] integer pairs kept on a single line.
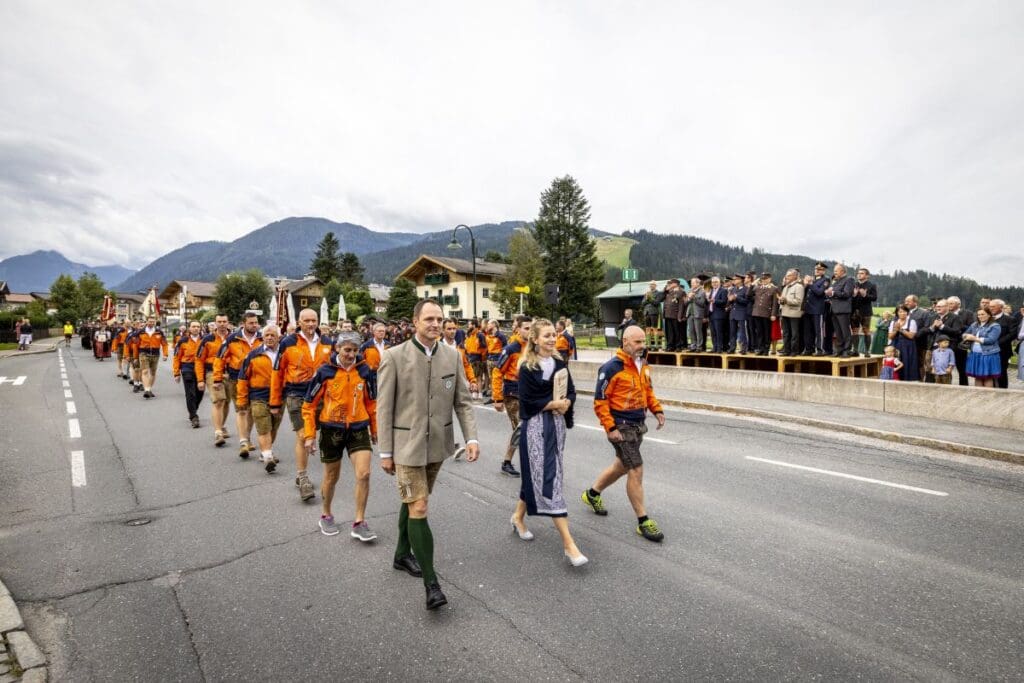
[[194, 422], [306, 491], [252, 448], [243, 450], [327, 526], [594, 503], [147, 394], [220, 439], [650, 531], [361, 530], [459, 452], [269, 463], [507, 468], [137, 388]]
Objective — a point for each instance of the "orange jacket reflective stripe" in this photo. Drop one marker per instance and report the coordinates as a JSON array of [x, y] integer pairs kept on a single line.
[[254, 378], [232, 352], [624, 393], [349, 399], [185, 355], [296, 365], [207, 352]]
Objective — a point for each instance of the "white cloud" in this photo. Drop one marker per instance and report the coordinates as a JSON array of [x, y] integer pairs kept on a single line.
[[890, 137]]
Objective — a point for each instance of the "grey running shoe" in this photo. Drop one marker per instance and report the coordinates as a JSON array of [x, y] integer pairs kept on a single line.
[[361, 530], [306, 491], [327, 526]]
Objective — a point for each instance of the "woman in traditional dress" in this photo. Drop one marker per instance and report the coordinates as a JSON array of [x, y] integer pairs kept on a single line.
[[881, 338], [983, 358], [546, 398], [902, 331], [101, 342]]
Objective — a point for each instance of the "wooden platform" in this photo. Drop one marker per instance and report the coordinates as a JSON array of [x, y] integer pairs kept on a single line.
[[811, 365]]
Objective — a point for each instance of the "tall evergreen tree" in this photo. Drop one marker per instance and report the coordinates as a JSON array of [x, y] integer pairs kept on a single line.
[[570, 259], [402, 300], [350, 270], [326, 263]]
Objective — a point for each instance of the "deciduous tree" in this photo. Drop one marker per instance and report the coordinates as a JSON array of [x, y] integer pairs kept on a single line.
[[236, 290]]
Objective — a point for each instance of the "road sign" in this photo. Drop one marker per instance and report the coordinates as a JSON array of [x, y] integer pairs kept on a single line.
[[630, 274], [522, 290]]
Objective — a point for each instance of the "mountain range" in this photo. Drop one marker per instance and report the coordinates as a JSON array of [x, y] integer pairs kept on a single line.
[[35, 272]]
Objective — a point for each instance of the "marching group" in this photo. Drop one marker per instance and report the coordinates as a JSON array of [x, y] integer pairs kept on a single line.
[[396, 386], [830, 314]]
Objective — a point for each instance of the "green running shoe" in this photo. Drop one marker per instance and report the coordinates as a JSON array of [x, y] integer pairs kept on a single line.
[[594, 503], [650, 531]]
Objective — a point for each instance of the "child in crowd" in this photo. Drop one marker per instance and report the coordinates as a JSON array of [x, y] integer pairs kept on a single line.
[[891, 365], [943, 361]]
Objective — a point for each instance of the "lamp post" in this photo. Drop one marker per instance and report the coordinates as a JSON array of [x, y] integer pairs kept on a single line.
[[454, 244]]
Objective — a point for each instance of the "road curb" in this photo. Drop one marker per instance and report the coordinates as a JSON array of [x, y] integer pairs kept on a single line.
[[30, 352], [895, 437], [20, 658]]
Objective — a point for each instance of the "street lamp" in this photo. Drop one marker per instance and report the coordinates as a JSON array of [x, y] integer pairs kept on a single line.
[[454, 244]]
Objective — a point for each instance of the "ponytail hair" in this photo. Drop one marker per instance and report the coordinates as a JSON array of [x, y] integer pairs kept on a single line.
[[529, 357]]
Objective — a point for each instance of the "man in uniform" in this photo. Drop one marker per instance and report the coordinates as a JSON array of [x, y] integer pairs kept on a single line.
[[183, 367], [739, 315], [419, 384], [623, 397], [300, 355], [226, 365], [253, 393], [505, 387], [209, 347], [816, 310], [864, 294], [152, 342], [763, 311], [672, 312], [840, 298]]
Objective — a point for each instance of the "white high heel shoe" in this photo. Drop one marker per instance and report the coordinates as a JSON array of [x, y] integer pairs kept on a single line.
[[525, 535], [577, 561]]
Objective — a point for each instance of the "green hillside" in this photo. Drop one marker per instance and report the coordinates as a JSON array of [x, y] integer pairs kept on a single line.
[[614, 250]]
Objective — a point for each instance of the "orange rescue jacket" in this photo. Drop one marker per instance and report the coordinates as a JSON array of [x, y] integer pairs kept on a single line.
[[185, 355], [254, 377], [296, 364], [207, 352], [349, 398], [505, 375], [232, 352], [624, 393]]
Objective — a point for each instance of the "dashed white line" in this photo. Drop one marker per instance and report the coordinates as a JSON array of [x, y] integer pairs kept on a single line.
[[74, 429], [64, 383], [77, 468], [855, 477], [71, 408], [67, 393]]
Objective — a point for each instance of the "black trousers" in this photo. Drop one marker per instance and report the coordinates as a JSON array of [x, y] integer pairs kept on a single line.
[[961, 366], [193, 396], [719, 335], [672, 342], [761, 329], [1004, 363], [738, 336], [791, 338], [841, 323]]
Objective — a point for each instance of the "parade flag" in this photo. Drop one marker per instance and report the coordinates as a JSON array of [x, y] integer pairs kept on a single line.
[[108, 309], [291, 309]]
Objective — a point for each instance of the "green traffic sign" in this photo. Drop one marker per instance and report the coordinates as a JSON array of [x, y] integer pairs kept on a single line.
[[630, 274]]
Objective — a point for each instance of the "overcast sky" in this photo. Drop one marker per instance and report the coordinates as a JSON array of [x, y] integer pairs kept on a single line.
[[889, 134]]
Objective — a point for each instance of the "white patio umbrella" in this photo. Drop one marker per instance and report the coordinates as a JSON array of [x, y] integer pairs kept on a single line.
[[323, 311], [342, 313], [291, 309], [272, 317]]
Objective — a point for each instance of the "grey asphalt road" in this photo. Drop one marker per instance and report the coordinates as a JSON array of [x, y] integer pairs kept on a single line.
[[777, 564]]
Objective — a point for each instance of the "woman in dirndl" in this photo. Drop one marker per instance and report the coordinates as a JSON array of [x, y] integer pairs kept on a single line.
[[983, 358], [544, 421], [902, 331]]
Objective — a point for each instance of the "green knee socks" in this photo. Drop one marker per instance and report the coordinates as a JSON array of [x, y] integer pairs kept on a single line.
[[422, 542], [403, 548]]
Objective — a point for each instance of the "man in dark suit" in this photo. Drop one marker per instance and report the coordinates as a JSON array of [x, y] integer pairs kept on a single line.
[[948, 324], [816, 309], [739, 314], [1008, 327], [923, 319], [965, 319], [718, 314], [673, 296], [840, 297], [864, 294]]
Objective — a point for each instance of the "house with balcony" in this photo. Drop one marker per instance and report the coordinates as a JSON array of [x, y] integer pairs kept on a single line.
[[450, 281], [199, 296]]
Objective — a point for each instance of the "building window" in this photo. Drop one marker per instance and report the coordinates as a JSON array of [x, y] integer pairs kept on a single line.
[[485, 314], [426, 293], [304, 302], [486, 293]]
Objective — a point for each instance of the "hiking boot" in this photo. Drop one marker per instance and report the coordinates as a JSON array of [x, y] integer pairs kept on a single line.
[[306, 491], [361, 530], [507, 468], [219, 439], [327, 526], [594, 503], [650, 531], [243, 450], [269, 463]]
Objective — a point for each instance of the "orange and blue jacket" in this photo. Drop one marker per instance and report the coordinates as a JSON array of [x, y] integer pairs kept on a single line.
[[470, 377], [349, 398], [255, 376], [624, 394], [185, 355], [207, 351], [495, 344], [566, 346], [475, 346], [152, 344], [505, 375], [232, 352], [131, 344], [295, 366], [120, 334], [369, 353]]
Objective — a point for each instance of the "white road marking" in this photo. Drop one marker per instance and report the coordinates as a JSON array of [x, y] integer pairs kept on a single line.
[[849, 476], [15, 381], [71, 408], [64, 383], [646, 438], [77, 468], [74, 429], [63, 375], [67, 393]]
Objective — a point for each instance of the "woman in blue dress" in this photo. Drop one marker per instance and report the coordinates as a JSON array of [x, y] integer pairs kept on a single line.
[[983, 358], [902, 331], [544, 421]]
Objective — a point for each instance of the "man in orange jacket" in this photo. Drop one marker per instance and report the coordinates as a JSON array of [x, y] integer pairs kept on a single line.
[[183, 367], [117, 347], [209, 347], [254, 381], [475, 346], [373, 349], [152, 342], [624, 395], [226, 365], [505, 387], [301, 354], [495, 342], [345, 392]]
